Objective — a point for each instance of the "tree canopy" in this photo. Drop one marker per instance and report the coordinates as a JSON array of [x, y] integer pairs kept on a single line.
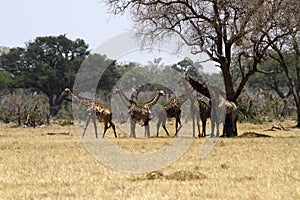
[[48, 64]]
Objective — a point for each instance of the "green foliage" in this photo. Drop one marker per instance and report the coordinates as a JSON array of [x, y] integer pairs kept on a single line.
[[99, 74], [48, 64], [6, 80], [246, 108], [187, 66], [276, 80], [256, 120]]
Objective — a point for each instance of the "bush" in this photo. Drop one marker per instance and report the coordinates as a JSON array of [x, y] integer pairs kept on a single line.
[[256, 120], [24, 107], [66, 122]]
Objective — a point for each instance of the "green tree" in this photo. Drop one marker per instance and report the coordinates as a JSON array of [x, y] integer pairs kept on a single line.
[[289, 61], [98, 75], [189, 67], [6, 80], [48, 64], [275, 81]]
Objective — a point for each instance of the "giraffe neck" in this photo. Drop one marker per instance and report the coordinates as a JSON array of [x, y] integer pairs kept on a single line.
[[189, 92], [81, 100], [198, 86], [124, 98], [152, 102]]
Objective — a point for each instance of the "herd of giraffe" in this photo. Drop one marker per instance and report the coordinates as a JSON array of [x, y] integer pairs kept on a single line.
[[141, 113]]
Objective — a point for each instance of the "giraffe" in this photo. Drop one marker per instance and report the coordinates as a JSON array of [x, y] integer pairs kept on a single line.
[[171, 109], [193, 106], [95, 110], [153, 101], [139, 113], [218, 102], [204, 110], [231, 111]]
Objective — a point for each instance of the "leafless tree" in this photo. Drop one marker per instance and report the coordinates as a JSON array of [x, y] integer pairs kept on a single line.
[[222, 29]]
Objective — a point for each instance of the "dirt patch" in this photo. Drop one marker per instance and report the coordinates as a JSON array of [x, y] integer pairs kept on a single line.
[[61, 133], [253, 135], [186, 176], [178, 176]]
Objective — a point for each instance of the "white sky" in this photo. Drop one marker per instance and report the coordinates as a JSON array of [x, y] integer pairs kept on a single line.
[[24, 20]]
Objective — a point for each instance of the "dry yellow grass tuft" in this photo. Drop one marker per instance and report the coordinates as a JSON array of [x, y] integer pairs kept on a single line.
[[37, 165]]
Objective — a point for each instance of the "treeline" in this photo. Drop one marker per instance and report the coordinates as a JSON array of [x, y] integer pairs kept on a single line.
[[32, 79]]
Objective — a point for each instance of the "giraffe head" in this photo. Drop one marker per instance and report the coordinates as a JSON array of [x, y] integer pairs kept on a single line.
[[161, 93], [66, 91]]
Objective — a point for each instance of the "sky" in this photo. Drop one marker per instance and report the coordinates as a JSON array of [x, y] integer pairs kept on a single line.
[[24, 20]]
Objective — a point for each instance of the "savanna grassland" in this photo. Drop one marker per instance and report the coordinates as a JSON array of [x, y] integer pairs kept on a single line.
[[52, 163]]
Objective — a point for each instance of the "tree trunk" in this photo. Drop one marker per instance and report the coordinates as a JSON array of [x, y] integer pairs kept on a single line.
[[54, 108], [55, 105], [230, 128]]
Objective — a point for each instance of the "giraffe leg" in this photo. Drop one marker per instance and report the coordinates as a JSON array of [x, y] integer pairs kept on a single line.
[[95, 125], [217, 125], [180, 125], [176, 126], [159, 122], [201, 134], [178, 122], [193, 120], [217, 128], [213, 119], [198, 124], [164, 126], [132, 128], [105, 128], [147, 129], [204, 127], [86, 124], [114, 128]]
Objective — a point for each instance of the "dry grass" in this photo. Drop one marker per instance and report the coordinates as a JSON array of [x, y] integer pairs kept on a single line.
[[37, 165]]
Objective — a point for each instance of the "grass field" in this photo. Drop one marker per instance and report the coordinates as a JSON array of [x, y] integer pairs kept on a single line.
[[52, 163]]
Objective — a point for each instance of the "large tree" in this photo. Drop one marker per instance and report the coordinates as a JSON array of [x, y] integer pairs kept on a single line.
[[48, 64], [287, 48], [289, 61], [223, 29]]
